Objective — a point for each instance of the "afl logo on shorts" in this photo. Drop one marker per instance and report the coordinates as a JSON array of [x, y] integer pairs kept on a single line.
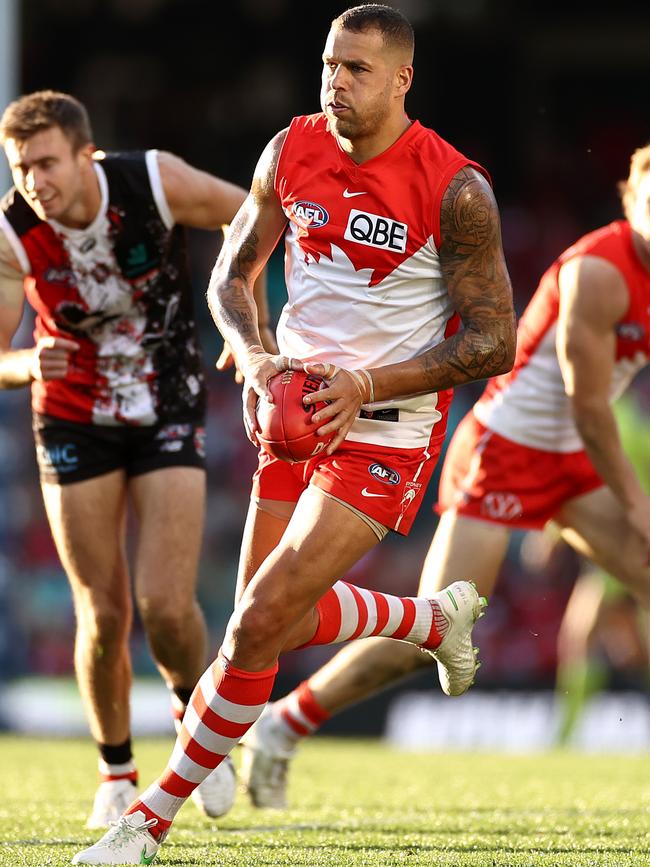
[[384, 474], [309, 215], [375, 231]]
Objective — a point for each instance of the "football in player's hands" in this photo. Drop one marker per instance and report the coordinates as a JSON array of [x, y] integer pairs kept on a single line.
[[286, 429]]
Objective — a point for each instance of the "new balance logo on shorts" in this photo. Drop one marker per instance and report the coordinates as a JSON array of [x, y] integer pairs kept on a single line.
[[375, 231]]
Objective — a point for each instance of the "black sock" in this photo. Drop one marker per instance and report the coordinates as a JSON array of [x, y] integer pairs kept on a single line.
[[183, 694], [116, 755]]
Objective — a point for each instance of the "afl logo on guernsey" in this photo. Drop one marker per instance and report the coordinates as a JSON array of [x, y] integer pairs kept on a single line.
[[309, 215]]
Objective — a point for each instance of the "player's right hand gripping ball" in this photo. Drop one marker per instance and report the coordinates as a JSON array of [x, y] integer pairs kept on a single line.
[[286, 429]]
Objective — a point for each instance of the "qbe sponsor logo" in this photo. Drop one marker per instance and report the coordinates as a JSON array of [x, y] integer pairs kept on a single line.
[[309, 215], [384, 474], [375, 231]]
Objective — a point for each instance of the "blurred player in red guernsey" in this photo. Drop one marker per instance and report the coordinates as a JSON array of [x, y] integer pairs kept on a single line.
[[541, 444], [96, 244], [392, 241]]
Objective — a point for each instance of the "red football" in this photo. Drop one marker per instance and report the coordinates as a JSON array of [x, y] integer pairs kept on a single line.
[[286, 429]]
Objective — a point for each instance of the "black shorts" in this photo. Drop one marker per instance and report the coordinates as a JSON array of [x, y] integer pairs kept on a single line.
[[68, 451]]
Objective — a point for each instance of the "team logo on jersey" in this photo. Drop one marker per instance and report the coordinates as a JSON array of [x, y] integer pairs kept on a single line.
[[375, 231], [384, 474], [309, 215]]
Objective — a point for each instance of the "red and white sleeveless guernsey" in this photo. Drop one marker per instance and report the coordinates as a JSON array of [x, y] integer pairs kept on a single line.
[[121, 289], [529, 405], [362, 264]]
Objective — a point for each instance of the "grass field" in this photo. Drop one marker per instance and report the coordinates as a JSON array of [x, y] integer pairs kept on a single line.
[[356, 803]]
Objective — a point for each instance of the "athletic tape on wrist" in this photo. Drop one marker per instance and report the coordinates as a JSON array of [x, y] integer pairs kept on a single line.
[[359, 382], [371, 384]]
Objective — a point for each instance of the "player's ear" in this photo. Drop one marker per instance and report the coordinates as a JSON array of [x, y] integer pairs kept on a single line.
[[89, 151], [403, 80]]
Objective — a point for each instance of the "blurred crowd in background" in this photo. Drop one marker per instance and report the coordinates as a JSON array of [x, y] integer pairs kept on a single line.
[[546, 97]]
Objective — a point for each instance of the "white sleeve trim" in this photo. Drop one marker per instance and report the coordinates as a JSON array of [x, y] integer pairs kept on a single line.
[[16, 244], [157, 188]]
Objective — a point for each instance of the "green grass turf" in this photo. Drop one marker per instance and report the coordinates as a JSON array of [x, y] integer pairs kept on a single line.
[[356, 803]]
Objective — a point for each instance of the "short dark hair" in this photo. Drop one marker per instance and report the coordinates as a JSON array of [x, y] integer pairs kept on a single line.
[[392, 25], [42, 110]]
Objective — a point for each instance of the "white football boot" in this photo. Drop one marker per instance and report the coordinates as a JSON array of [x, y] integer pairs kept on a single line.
[[127, 842], [457, 659], [216, 794], [111, 800], [266, 752]]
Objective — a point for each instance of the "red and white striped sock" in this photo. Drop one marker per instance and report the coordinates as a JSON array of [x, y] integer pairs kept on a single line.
[[299, 714], [224, 705], [347, 612], [109, 772]]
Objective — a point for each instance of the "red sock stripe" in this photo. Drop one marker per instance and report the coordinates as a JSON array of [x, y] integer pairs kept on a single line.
[[159, 828], [196, 752], [434, 638], [174, 785], [329, 623], [177, 712], [109, 778], [362, 610], [309, 706], [383, 612], [242, 687], [293, 724], [407, 620], [214, 722]]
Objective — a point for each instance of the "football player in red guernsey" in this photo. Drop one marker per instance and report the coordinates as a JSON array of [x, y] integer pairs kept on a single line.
[[541, 444], [96, 244], [392, 239]]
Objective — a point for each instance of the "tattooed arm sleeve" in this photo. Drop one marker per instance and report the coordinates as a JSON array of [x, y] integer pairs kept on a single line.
[[476, 278], [253, 234]]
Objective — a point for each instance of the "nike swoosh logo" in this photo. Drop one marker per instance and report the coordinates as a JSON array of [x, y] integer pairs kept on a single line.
[[367, 493], [348, 195], [147, 859]]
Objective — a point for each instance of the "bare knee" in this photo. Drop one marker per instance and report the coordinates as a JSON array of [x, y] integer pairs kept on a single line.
[[257, 632], [105, 625], [166, 621]]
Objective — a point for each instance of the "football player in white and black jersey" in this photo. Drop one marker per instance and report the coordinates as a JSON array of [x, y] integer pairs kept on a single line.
[[96, 242]]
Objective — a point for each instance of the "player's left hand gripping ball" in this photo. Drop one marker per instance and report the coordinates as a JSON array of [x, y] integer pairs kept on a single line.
[[286, 429]]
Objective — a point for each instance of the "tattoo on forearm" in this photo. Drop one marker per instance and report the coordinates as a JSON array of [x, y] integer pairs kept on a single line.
[[230, 294], [477, 281]]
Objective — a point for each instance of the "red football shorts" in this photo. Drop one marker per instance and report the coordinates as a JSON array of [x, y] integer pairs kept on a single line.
[[489, 477], [385, 484]]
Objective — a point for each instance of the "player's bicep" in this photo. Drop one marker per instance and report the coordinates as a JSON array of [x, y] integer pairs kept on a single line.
[[196, 198], [593, 298], [260, 221], [12, 294], [11, 307]]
